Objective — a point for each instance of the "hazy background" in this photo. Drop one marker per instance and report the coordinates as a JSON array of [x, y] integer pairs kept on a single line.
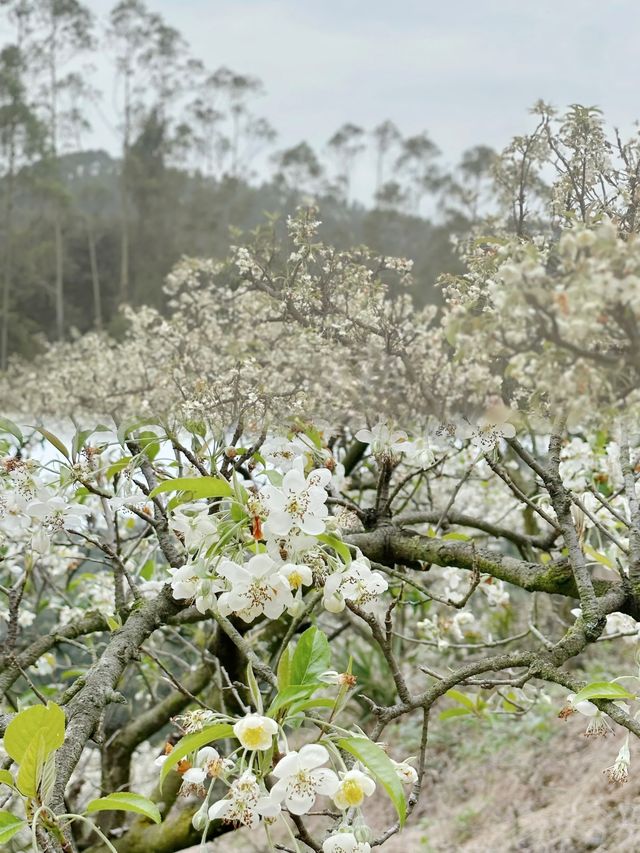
[[467, 70]]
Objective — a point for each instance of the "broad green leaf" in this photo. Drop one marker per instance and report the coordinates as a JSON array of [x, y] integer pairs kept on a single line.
[[284, 669], [114, 622], [254, 690], [198, 487], [462, 537], [118, 466], [379, 765], [48, 779], [603, 690], [53, 439], [292, 693], [48, 721], [8, 426], [30, 771], [124, 801], [79, 440], [598, 557], [194, 741], [455, 712], [462, 699], [6, 778], [9, 825], [308, 704], [338, 546], [146, 572], [311, 658], [274, 477]]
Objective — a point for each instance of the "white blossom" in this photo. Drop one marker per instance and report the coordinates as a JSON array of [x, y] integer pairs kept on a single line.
[[301, 778]]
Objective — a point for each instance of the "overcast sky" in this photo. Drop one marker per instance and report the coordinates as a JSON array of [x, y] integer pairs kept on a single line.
[[465, 70]]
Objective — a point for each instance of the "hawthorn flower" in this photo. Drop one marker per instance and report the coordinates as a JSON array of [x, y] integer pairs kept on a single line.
[[283, 453], [406, 773], [208, 763], [55, 513], [461, 624], [345, 842], [341, 679], [383, 440], [301, 778], [257, 587], [299, 502], [295, 547], [245, 803], [196, 720], [619, 770], [353, 788], [193, 582], [493, 426], [197, 529], [598, 723], [296, 575], [255, 732], [357, 583], [419, 452]]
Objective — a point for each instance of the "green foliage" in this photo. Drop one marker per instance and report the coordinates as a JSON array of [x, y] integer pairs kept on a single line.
[[603, 690], [31, 740], [126, 802], [195, 487], [192, 742], [9, 826], [376, 760], [311, 658]]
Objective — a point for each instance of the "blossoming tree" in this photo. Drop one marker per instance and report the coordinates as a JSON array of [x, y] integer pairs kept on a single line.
[[224, 508]]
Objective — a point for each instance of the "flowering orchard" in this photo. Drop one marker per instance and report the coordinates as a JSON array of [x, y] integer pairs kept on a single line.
[[264, 546]]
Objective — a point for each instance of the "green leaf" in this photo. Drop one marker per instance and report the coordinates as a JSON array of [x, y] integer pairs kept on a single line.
[[53, 439], [25, 726], [124, 801], [79, 440], [9, 825], [598, 557], [146, 572], [462, 699], [6, 778], [254, 690], [602, 690], [198, 487], [292, 693], [194, 741], [448, 713], [30, 771], [379, 765], [311, 658], [320, 702], [284, 669], [48, 779], [118, 466], [8, 426], [114, 622], [338, 546]]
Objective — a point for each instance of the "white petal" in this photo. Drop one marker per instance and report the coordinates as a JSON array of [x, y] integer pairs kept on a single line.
[[313, 755], [288, 765]]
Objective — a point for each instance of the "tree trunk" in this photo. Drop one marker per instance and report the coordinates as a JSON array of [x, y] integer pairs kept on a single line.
[[59, 287], [8, 266], [95, 277]]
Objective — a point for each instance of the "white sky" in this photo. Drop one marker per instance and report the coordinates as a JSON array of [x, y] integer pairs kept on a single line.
[[464, 70]]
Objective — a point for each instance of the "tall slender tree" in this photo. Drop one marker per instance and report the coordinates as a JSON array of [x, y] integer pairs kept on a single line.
[[20, 140], [65, 32]]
